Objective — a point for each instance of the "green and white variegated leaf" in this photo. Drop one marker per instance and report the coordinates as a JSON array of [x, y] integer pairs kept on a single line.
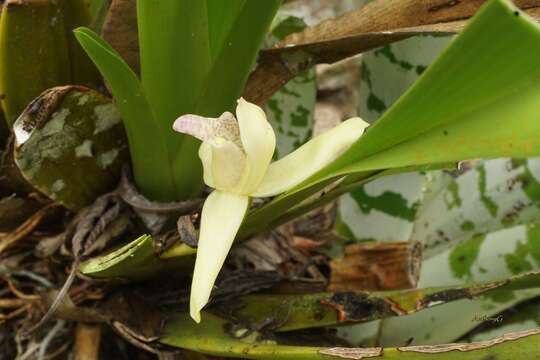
[[313, 12], [385, 209], [386, 73], [493, 195], [290, 111], [490, 257]]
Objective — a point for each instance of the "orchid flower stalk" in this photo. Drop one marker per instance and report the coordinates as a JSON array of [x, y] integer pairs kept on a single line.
[[236, 155]]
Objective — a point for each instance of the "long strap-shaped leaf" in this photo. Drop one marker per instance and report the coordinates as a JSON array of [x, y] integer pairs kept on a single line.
[[210, 337], [175, 62], [236, 53], [479, 99], [147, 146], [327, 309]]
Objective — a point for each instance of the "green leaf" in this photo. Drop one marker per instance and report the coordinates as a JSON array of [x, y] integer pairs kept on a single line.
[[232, 65], [147, 145], [323, 309], [290, 206], [221, 18], [479, 99], [135, 261], [47, 26], [384, 209], [175, 65], [210, 337], [472, 102]]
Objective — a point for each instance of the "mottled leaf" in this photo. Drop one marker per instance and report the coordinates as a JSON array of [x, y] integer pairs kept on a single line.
[[493, 195], [488, 257], [71, 145]]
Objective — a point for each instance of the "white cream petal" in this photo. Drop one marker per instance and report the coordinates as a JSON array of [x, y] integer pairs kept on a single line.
[[208, 129], [228, 163], [205, 154], [221, 218], [259, 142], [311, 157]]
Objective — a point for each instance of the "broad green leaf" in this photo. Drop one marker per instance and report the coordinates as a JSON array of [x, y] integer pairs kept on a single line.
[[221, 18], [175, 64], [327, 309], [472, 102], [83, 71], [384, 210], [211, 337], [35, 28], [147, 146], [288, 207], [235, 59], [135, 261], [271, 215]]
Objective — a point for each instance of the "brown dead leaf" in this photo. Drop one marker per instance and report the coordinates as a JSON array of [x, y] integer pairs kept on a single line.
[[353, 353], [379, 266], [376, 24], [120, 31]]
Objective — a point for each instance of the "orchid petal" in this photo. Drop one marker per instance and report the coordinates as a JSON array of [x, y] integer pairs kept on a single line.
[[259, 142], [228, 163], [311, 157], [221, 217], [208, 129], [205, 154]]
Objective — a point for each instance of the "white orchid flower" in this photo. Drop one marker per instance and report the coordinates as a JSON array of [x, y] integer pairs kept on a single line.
[[237, 162]]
